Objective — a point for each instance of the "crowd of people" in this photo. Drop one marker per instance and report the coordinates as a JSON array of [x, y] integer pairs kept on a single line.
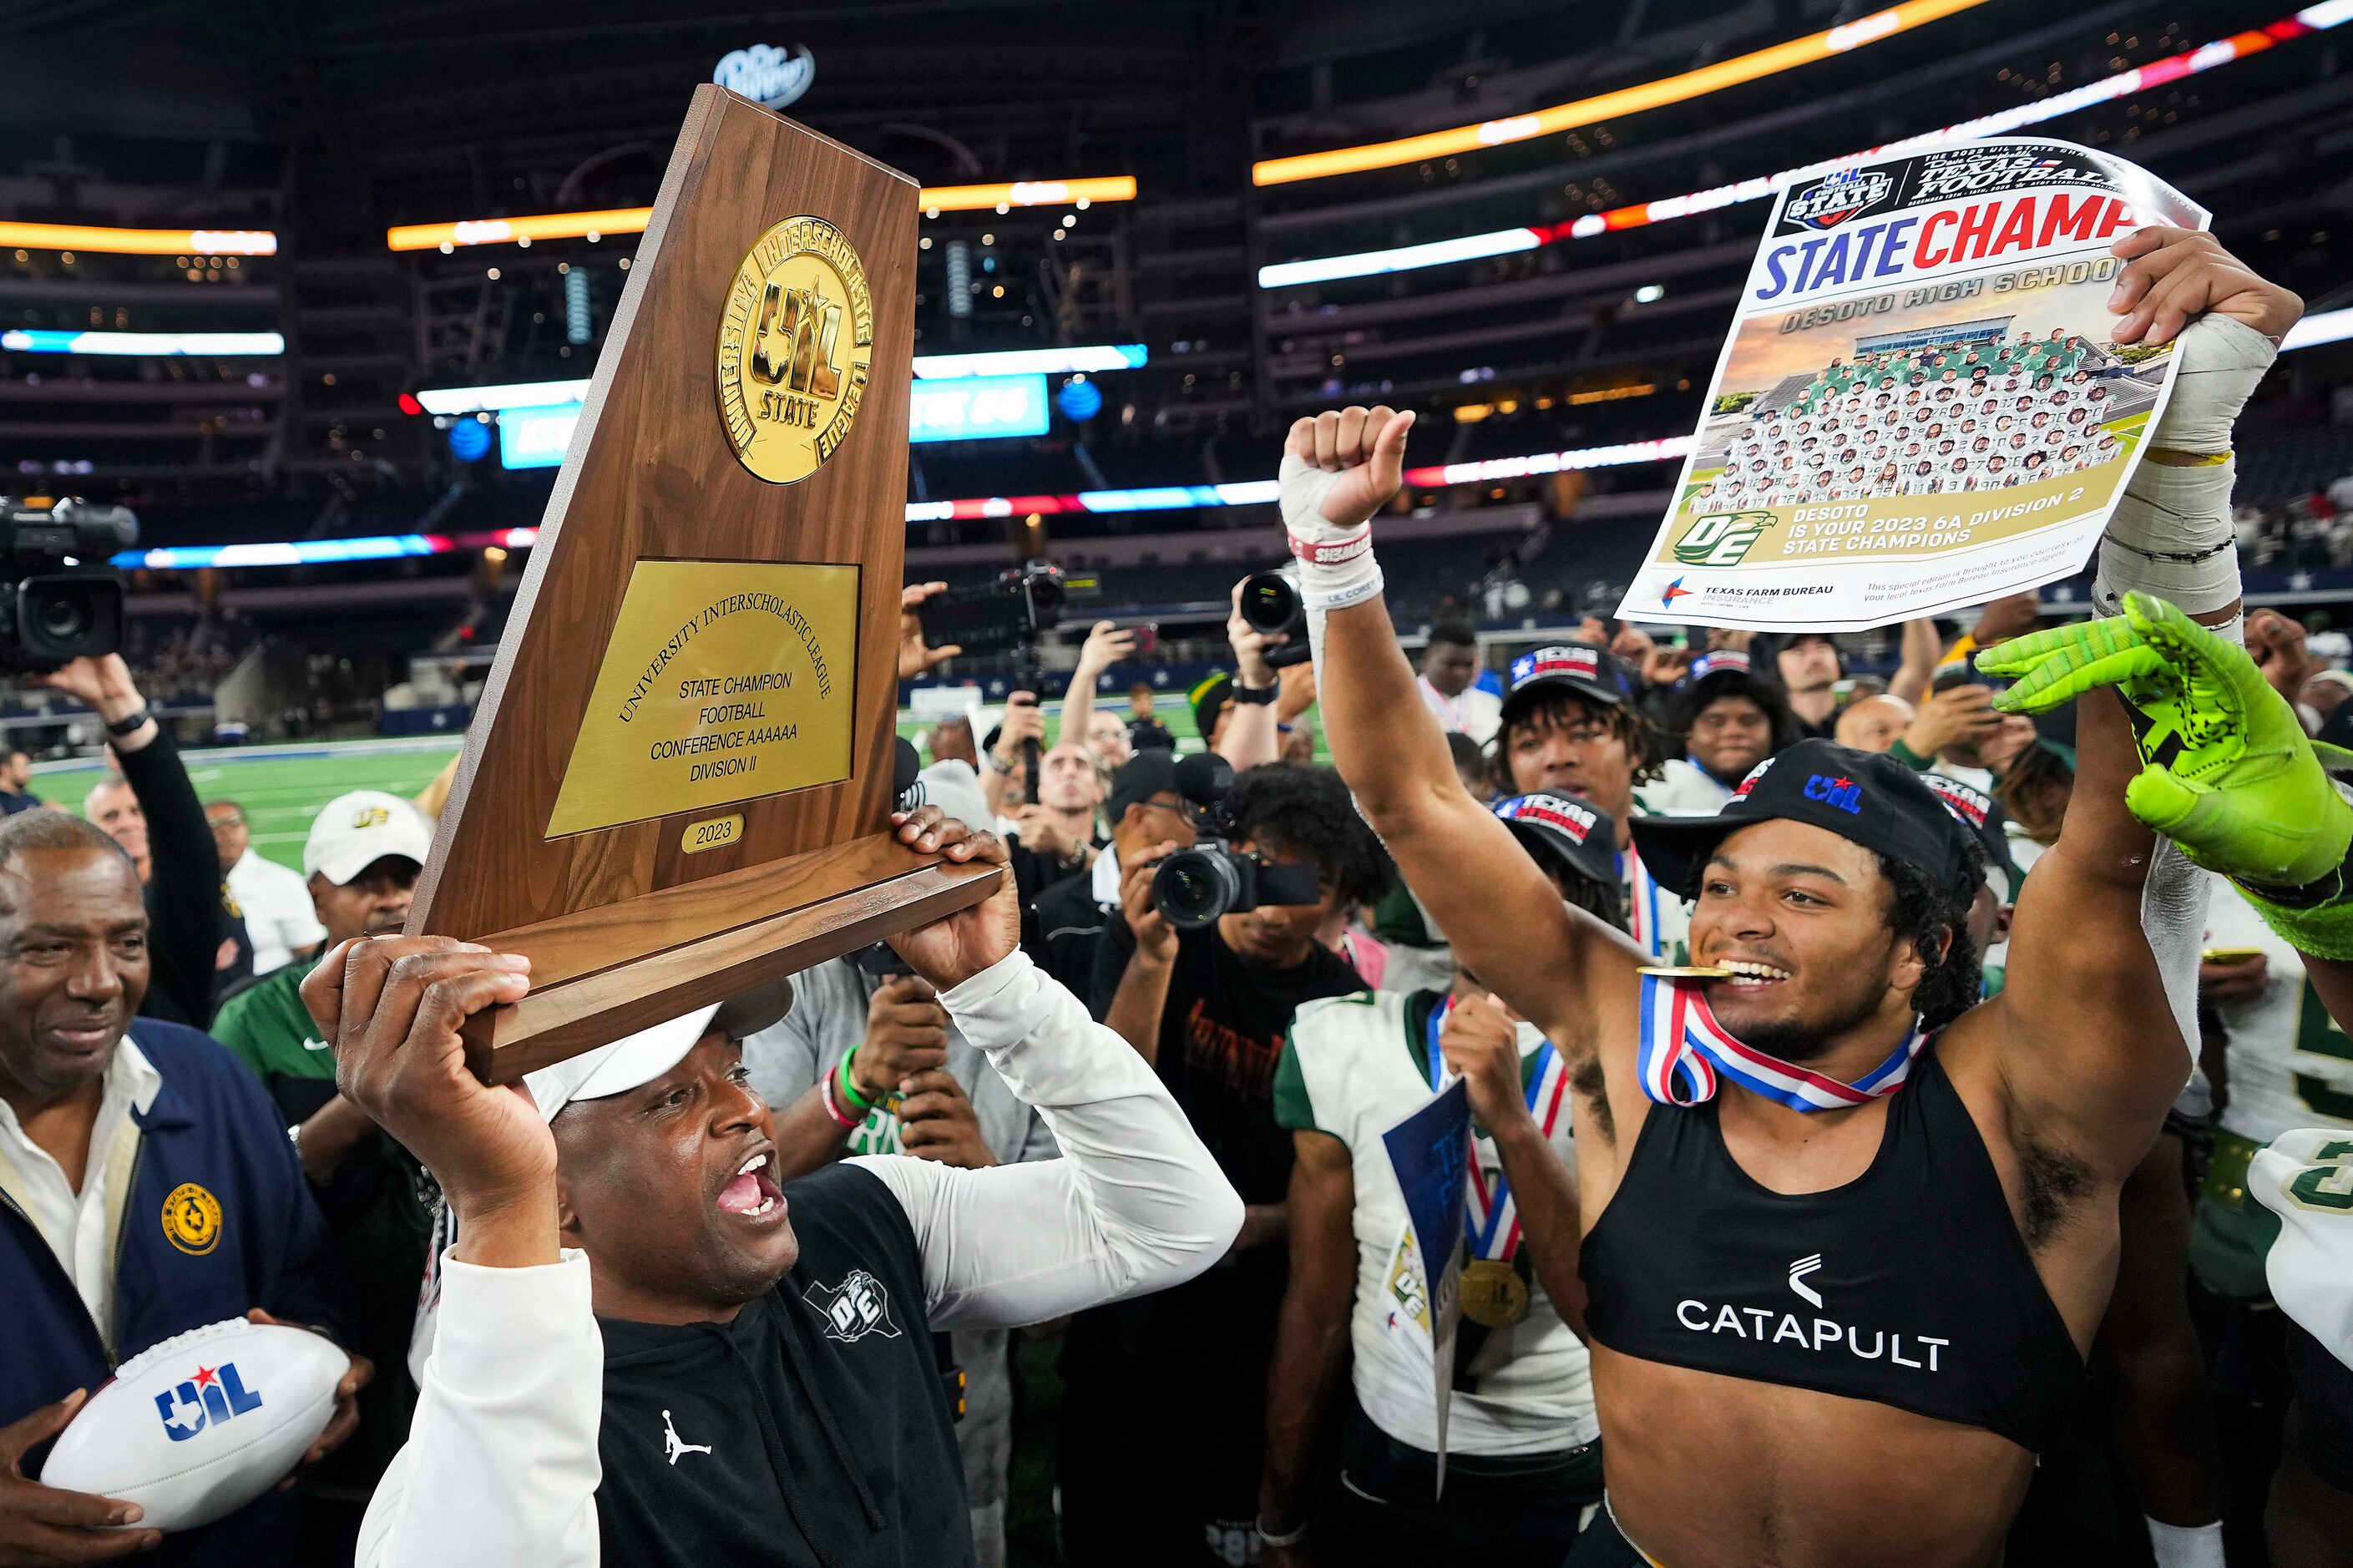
[[1856, 1097]]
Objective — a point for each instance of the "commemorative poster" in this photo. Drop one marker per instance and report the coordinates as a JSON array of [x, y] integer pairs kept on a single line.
[[1919, 406]]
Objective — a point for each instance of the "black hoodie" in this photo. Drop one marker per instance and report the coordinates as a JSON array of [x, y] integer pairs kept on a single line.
[[813, 1430]]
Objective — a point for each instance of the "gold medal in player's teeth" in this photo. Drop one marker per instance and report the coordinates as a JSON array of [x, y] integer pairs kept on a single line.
[[1685, 972]]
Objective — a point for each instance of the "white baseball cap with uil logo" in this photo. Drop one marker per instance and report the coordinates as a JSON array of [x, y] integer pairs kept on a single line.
[[355, 831]]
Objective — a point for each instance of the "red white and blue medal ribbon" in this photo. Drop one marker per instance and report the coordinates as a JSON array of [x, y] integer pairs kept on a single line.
[[1684, 1052], [1491, 1219], [1643, 902]]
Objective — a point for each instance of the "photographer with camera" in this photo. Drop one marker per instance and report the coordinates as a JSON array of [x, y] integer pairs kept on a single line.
[[1147, 808], [1238, 715], [1164, 1400]]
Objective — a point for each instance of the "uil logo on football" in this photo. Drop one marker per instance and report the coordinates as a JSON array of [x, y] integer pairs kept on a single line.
[[854, 1308], [1721, 538], [214, 1394]]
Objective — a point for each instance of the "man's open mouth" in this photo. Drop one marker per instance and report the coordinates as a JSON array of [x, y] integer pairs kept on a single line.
[[752, 1192]]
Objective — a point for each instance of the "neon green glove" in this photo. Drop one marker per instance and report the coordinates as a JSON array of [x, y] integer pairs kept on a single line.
[[2227, 770]]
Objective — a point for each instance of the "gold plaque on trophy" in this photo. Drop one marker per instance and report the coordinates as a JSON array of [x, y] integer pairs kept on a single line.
[[724, 680]]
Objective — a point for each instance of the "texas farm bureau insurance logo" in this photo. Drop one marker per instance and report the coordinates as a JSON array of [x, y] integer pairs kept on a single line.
[[795, 344], [1721, 538], [214, 1394], [1839, 197]]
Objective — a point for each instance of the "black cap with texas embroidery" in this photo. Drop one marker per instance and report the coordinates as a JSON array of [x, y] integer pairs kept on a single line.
[[1866, 797], [1571, 830], [1590, 672]]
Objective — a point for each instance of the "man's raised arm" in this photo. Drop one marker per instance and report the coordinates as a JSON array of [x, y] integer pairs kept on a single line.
[[1505, 921], [2088, 1047], [1135, 1204]]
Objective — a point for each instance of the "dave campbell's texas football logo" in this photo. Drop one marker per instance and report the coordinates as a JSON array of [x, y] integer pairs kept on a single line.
[[1721, 538], [1839, 197]]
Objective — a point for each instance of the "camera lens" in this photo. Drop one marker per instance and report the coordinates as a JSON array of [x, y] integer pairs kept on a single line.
[[1270, 602], [61, 619], [1194, 887]]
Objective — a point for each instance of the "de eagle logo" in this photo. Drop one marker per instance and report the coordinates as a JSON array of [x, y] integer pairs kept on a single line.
[[854, 1308], [1721, 538]]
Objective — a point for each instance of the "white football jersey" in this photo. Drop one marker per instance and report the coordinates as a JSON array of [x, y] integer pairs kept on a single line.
[[2291, 1065], [1360, 1072], [2305, 1177]]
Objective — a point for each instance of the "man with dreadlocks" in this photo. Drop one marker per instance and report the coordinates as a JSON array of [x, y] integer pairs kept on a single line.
[[1829, 1322]]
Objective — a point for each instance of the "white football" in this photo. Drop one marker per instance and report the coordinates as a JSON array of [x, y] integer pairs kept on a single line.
[[199, 1424]]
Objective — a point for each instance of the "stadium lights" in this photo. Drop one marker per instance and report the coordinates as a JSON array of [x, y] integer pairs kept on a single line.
[[50, 341], [506, 231], [139, 241], [2141, 79], [1029, 362], [1656, 94], [633, 220], [498, 399], [1163, 498], [1027, 193], [2329, 327], [928, 367]]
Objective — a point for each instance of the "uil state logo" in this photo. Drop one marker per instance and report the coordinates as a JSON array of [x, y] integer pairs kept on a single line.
[[793, 346], [192, 1219]]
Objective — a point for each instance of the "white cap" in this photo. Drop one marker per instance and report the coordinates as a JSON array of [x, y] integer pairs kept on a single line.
[[955, 788], [641, 1058], [617, 1068], [355, 831]]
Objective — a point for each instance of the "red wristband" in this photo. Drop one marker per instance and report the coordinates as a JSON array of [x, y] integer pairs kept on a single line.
[[841, 1118]]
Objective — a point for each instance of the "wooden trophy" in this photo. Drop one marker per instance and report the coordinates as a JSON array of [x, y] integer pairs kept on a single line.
[[678, 782]]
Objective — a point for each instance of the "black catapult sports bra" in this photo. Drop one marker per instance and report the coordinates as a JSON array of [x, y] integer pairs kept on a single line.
[[1910, 1285]]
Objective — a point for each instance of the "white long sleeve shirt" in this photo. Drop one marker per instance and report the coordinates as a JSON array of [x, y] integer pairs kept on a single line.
[[501, 1465]]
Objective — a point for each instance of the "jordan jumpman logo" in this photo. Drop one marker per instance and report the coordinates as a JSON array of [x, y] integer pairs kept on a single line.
[[676, 1447]]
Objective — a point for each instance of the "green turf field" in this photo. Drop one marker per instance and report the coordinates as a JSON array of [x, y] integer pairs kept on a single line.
[[282, 787]]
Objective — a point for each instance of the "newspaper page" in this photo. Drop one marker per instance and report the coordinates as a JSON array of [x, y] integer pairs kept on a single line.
[[1920, 405]]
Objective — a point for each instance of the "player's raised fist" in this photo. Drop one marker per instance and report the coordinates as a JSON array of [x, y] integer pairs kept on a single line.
[[1362, 451]]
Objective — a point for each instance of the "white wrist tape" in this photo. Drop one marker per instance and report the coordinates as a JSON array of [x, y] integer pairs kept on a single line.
[[2171, 533], [2222, 360], [1336, 568]]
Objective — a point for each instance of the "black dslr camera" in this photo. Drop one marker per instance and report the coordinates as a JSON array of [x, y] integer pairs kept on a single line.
[[1004, 613], [1271, 605], [61, 600], [1194, 887]]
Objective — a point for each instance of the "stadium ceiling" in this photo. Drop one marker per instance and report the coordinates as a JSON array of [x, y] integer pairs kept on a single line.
[[436, 107]]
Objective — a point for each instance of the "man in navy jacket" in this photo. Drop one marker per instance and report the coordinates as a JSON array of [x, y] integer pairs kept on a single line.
[[147, 1187]]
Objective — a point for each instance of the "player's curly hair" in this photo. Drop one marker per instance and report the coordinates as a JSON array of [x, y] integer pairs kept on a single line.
[[1308, 809], [1934, 918], [1644, 744]]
